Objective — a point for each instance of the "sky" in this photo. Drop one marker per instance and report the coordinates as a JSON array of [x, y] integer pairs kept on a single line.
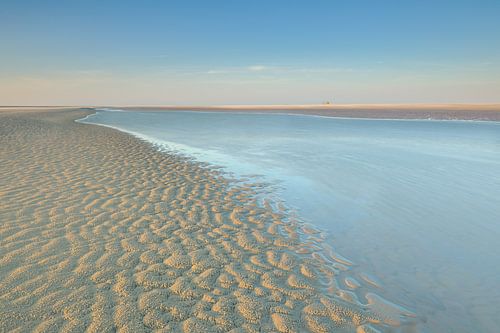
[[248, 52]]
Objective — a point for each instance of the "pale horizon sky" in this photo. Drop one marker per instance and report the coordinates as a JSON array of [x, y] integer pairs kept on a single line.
[[254, 52]]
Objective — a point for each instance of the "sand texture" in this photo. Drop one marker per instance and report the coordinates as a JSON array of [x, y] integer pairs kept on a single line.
[[100, 232]]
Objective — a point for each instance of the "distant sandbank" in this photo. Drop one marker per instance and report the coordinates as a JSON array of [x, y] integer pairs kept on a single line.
[[489, 112], [485, 112]]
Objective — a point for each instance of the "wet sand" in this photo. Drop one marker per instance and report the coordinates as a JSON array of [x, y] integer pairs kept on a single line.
[[99, 231], [487, 112]]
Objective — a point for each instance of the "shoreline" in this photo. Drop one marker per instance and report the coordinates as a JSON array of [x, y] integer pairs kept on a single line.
[[105, 232]]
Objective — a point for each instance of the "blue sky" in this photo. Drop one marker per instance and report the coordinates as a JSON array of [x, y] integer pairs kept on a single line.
[[249, 52]]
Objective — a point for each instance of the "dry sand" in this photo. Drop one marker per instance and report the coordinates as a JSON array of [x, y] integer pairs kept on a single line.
[[101, 232]]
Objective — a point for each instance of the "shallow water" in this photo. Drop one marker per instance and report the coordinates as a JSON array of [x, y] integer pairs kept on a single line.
[[416, 204]]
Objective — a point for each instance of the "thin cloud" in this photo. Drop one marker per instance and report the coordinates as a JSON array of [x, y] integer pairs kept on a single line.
[[218, 71], [238, 70], [257, 68], [279, 70]]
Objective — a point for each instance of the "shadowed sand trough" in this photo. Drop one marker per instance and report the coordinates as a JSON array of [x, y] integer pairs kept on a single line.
[[100, 231]]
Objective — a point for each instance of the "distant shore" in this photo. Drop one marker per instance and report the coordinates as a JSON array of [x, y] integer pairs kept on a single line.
[[485, 112]]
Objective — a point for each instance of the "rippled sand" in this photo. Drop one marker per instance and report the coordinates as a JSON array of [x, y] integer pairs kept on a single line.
[[101, 232]]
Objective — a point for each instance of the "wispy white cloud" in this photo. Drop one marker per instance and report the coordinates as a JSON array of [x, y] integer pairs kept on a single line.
[[218, 71], [275, 70], [238, 70], [257, 68]]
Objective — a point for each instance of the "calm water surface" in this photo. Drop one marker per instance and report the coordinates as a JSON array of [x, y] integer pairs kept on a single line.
[[416, 204]]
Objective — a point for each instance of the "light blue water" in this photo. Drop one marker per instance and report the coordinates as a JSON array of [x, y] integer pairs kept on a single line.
[[414, 203]]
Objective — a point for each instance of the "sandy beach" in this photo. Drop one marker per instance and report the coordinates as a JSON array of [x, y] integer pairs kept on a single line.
[[246, 166], [99, 231]]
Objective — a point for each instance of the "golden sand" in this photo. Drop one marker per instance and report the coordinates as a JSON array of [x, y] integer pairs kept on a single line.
[[101, 232]]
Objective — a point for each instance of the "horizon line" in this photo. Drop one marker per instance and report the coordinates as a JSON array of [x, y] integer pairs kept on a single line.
[[333, 106]]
